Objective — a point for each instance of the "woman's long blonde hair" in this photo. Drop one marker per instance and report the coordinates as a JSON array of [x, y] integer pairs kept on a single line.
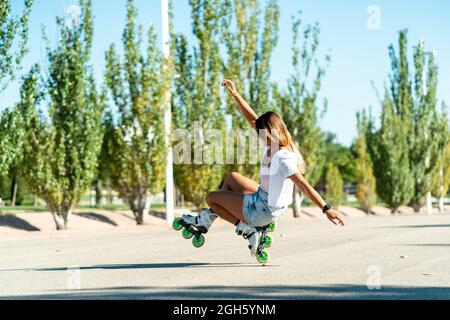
[[276, 130]]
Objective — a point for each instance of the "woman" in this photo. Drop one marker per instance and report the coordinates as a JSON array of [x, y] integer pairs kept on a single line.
[[247, 204]]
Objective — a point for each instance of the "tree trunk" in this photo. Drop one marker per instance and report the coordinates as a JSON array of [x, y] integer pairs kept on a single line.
[[62, 219], [110, 196], [416, 206], [98, 193], [297, 204], [146, 211], [140, 209], [441, 204], [14, 189]]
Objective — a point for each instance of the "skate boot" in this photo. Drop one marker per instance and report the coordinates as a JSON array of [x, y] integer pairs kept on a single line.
[[195, 227], [251, 234], [203, 221]]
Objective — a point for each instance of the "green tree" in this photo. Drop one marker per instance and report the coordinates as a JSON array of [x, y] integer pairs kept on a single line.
[[424, 137], [106, 165], [440, 176], [197, 105], [341, 156], [405, 149], [334, 186], [366, 188], [300, 106], [389, 152], [13, 40], [13, 47], [389, 146], [137, 144], [249, 45], [61, 149]]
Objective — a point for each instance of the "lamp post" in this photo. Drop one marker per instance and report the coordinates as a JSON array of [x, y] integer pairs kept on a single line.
[[429, 204], [167, 116]]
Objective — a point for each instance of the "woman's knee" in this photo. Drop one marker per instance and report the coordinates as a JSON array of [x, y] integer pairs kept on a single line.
[[231, 178], [210, 198]]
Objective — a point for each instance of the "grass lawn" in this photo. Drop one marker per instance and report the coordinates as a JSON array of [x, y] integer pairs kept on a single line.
[[30, 208]]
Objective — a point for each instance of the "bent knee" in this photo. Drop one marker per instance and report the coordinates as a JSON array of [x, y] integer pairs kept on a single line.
[[210, 198], [234, 176]]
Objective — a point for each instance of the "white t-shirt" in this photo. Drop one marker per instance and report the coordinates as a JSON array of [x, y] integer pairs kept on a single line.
[[274, 179]]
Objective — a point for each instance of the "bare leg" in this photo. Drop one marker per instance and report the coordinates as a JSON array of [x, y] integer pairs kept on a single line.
[[238, 183], [227, 205]]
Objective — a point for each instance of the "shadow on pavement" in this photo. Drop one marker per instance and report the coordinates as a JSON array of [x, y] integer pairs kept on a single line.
[[416, 226], [148, 266], [97, 217], [424, 244], [12, 221], [253, 292]]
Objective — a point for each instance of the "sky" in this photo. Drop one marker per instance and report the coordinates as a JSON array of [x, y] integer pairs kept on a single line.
[[356, 32]]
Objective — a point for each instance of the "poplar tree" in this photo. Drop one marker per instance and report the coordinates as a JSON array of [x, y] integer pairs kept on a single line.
[[366, 188], [424, 137], [405, 149], [13, 47], [389, 151], [197, 104], [334, 186], [299, 106], [137, 83], [61, 148], [440, 176], [13, 40], [250, 36]]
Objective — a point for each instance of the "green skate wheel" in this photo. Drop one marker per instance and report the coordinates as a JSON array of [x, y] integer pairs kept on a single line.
[[176, 224], [198, 242], [272, 227], [187, 234], [263, 257], [269, 241]]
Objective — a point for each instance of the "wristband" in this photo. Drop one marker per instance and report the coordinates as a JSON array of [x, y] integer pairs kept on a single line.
[[326, 208]]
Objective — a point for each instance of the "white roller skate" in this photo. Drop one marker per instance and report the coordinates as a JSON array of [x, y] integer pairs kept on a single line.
[[251, 234], [203, 221], [195, 227]]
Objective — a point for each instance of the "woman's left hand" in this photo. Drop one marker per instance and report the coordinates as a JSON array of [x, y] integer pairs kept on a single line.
[[335, 217]]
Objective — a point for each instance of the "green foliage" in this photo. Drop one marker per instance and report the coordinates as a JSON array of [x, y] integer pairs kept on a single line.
[[334, 186], [299, 105], [24, 196], [389, 151], [135, 144], [13, 40], [425, 133], [249, 45], [13, 47], [366, 189], [197, 104], [61, 150], [405, 150], [11, 139], [440, 176], [341, 157]]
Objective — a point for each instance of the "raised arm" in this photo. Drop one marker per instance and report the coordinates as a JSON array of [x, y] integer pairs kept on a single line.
[[245, 108], [333, 215]]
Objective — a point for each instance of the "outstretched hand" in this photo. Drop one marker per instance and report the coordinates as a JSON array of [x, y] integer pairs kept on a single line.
[[230, 86], [335, 217]]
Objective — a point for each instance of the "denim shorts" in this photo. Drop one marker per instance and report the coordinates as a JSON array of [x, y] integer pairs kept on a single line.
[[257, 212]]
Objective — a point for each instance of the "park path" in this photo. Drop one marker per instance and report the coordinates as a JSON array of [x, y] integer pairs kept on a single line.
[[408, 256]]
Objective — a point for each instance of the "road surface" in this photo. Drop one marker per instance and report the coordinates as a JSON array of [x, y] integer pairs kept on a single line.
[[400, 257]]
